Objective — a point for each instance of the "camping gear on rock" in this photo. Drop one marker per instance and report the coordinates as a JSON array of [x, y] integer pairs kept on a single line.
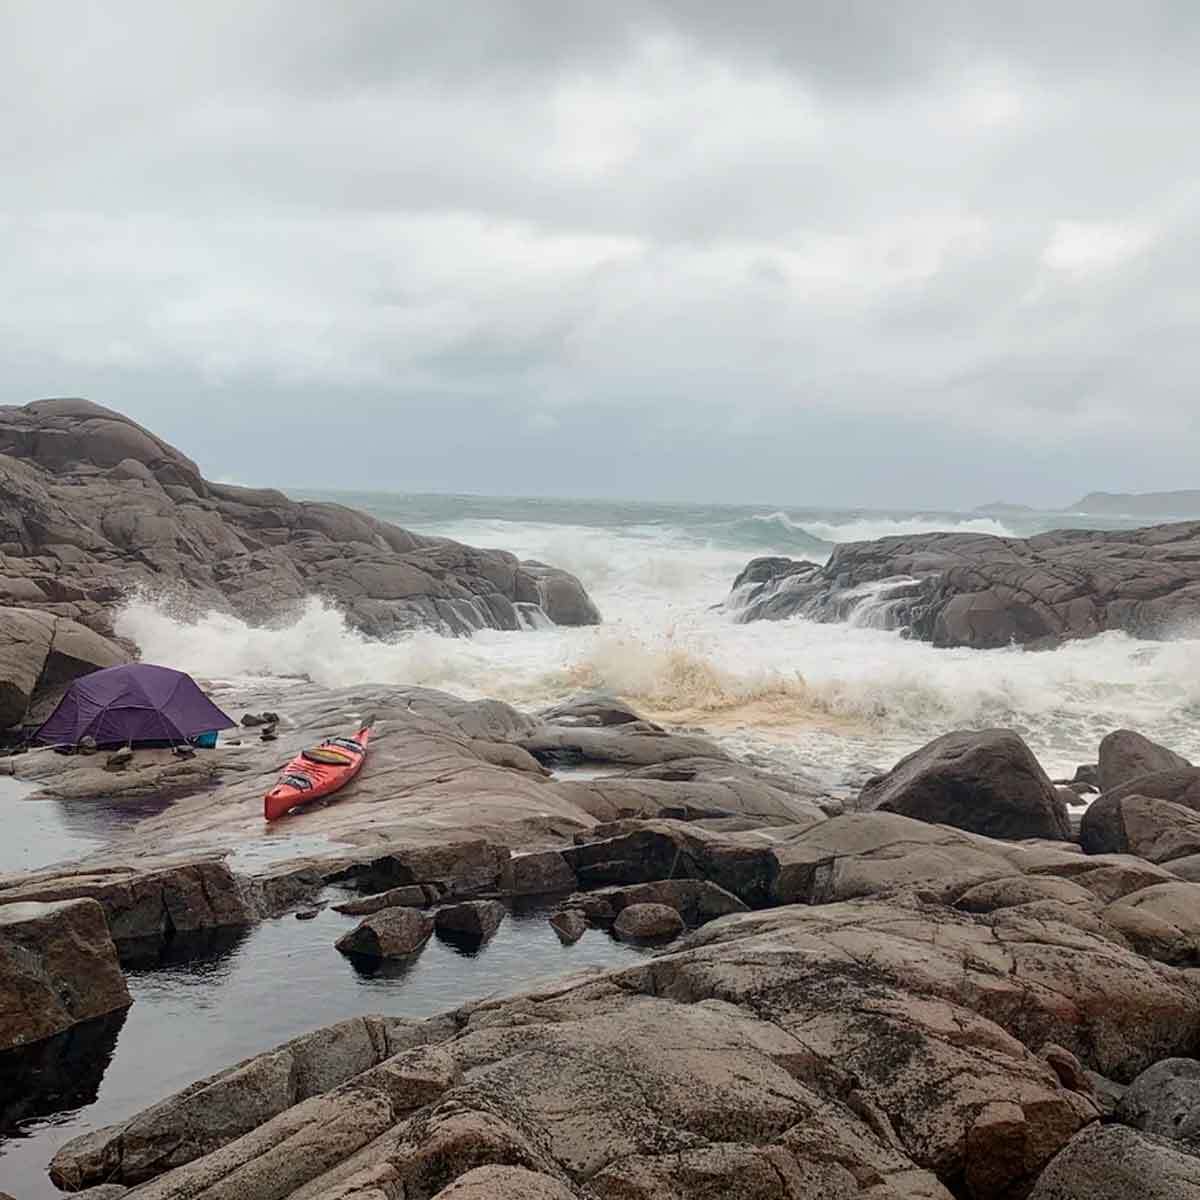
[[138, 704], [317, 772]]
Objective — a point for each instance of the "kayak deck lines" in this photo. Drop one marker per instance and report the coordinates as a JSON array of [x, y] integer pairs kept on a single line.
[[317, 772]]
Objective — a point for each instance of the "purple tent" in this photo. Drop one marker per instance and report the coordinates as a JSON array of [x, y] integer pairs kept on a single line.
[[137, 703]]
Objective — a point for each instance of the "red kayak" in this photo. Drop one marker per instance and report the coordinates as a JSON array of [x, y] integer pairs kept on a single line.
[[317, 772]]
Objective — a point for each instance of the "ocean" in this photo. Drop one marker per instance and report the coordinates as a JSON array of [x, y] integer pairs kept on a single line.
[[837, 701]]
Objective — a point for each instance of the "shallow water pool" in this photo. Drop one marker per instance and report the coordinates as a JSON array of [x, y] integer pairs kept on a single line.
[[238, 994]]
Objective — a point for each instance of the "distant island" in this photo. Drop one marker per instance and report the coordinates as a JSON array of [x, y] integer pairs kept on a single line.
[[1000, 507], [1140, 504], [1111, 504]]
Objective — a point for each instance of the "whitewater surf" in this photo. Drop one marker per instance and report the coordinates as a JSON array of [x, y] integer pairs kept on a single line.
[[835, 699]]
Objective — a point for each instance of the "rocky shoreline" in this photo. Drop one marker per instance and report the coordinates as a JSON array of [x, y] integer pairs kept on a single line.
[[861, 994], [95, 509], [951, 982], [980, 591]]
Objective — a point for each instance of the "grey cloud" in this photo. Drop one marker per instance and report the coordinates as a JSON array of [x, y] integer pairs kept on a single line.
[[679, 234]]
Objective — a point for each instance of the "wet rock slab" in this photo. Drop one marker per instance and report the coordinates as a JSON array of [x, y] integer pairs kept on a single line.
[[816, 1041], [912, 1010], [214, 1111], [929, 1021]]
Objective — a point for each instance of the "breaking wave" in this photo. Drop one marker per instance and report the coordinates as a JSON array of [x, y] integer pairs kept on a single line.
[[825, 692], [318, 646], [822, 696], [778, 533], [868, 529]]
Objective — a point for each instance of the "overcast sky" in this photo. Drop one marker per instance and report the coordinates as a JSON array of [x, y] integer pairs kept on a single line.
[[849, 252]]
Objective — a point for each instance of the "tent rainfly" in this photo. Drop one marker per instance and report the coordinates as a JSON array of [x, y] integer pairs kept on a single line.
[[138, 703]]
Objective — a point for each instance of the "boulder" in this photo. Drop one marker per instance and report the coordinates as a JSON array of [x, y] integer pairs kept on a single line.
[[561, 596], [646, 922], [540, 874], [461, 867], [695, 789], [1164, 1100], [1110, 877], [1070, 798], [594, 907], [95, 506], [39, 654], [1108, 1093], [1126, 755], [77, 650], [1114, 1010], [570, 926], [414, 895], [986, 782], [696, 900], [1110, 1162], [657, 850], [25, 638], [1180, 785], [1162, 921], [477, 919], [972, 589], [878, 853], [145, 904], [1156, 830], [773, 588], [58, 967], [389, 933], [1070, 1071]]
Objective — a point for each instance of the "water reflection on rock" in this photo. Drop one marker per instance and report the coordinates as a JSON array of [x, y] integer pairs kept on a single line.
[[205, 947], [101, 819], [58, 1074], [469, 945], [384, 969]]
